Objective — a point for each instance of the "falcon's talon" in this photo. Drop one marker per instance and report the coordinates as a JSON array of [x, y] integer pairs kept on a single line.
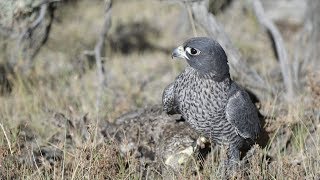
[[201, 142]]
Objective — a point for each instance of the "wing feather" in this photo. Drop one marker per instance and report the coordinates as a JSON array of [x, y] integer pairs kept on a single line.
[[242, 113], [168, 100]]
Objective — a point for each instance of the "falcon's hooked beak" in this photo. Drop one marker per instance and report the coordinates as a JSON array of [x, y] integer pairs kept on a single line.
[[179, 52]]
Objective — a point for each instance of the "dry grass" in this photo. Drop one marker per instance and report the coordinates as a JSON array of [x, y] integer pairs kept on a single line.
[[63, 81]]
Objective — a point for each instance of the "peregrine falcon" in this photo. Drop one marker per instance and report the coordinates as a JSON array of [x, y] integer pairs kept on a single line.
[[207, 98]]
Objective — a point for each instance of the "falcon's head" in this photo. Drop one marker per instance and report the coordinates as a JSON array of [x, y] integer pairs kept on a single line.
[[205, 55]]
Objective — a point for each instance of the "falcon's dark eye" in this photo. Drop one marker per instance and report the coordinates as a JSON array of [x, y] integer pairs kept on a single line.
[[193, 51]]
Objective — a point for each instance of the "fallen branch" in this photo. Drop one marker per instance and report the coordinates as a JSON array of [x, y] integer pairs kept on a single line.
[[279, 47]]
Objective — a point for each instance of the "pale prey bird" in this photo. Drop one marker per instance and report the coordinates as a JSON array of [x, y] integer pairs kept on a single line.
[[209, 100]]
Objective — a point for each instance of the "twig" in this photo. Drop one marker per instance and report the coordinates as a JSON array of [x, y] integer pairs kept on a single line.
[[209, 23], [98, 50], [279, 45], [98, 53], [7, 139]]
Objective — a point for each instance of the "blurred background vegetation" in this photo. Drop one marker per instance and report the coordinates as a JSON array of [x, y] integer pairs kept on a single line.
[[48, 66]]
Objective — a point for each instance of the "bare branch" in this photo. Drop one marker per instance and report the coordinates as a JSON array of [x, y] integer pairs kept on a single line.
[[32, 38], [35, 23], [312, 37], [45, 2], [208, 22], [279, 44], [29, 28], [99, 47]]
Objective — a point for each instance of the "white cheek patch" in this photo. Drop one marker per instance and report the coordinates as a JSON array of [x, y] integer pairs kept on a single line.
[[182, 52], [185, 55]]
